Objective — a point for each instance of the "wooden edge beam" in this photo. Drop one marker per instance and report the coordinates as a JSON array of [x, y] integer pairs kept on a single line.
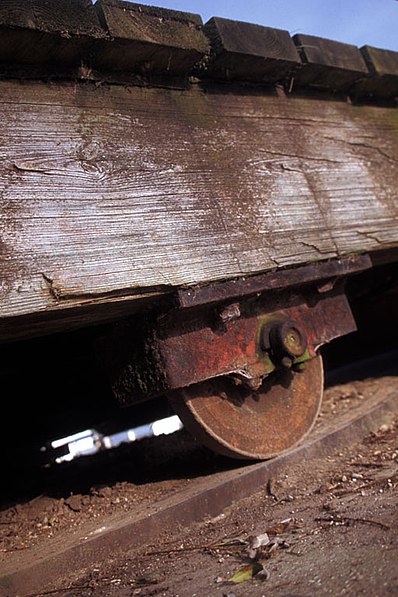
[[149, 39], [245, 51], [59, 32], [328, 64], [125, 38], [383, 66]]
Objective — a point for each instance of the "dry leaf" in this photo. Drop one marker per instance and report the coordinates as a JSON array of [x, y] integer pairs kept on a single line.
[[247, 572]]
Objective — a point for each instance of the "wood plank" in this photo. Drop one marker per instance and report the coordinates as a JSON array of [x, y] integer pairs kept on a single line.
[[246, 51], [72, 17], [149, 39], [113, 191], [38, 31], [383, 64], [328, 64]]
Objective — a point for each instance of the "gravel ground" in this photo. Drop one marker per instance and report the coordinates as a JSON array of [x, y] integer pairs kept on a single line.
[[327, 527]]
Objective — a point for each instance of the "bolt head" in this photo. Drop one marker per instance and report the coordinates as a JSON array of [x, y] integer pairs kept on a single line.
[[288, 339]]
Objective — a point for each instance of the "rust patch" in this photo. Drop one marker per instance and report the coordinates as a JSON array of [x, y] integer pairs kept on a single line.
[[192, 352]]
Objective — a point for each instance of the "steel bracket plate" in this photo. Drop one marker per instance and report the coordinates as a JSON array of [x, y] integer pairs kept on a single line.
[[192, 351], [175, 349]]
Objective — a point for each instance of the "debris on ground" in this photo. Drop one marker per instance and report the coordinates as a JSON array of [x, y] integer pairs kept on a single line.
[[318, 528]]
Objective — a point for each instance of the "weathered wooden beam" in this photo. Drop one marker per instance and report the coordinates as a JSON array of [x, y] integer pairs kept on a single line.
[[149, 39], [57, 32], [383, 66], [328, 64], [111, 191], [244, 51], [124, 42]]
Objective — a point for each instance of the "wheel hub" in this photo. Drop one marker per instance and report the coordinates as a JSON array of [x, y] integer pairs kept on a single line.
[[286, 343], [241, 423]]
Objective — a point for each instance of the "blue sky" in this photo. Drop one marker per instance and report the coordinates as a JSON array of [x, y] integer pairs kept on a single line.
[[359, 22]]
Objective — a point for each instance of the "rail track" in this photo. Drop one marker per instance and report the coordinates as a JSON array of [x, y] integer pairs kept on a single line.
[[175, 484]]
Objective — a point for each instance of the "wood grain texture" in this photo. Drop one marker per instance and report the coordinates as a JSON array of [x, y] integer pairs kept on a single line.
[[328, 64], [113, 191], [42, 31], [383, 65], [149, 39], [73, 17], [246, 51]]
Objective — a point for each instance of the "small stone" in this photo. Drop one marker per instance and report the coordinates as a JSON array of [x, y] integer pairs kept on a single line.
[[74, 503]]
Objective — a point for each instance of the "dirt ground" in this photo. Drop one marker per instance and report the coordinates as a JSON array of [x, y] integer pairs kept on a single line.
[[327, 527]]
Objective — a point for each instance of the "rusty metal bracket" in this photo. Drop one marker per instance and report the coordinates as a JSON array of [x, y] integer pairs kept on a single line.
[[191, 353], [281, 326]]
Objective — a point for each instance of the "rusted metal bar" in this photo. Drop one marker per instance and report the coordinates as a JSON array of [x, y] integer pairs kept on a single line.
[[385, 256], [211, 293]]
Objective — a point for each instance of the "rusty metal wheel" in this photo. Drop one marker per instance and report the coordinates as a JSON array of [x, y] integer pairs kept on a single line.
[[241, 423]]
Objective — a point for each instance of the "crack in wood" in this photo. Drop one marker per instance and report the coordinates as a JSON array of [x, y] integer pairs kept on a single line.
[[288, 169], [364, 145], [50, 285], [312, 246], [29, 168], [322, 211], [306, 158], [373, 148]]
